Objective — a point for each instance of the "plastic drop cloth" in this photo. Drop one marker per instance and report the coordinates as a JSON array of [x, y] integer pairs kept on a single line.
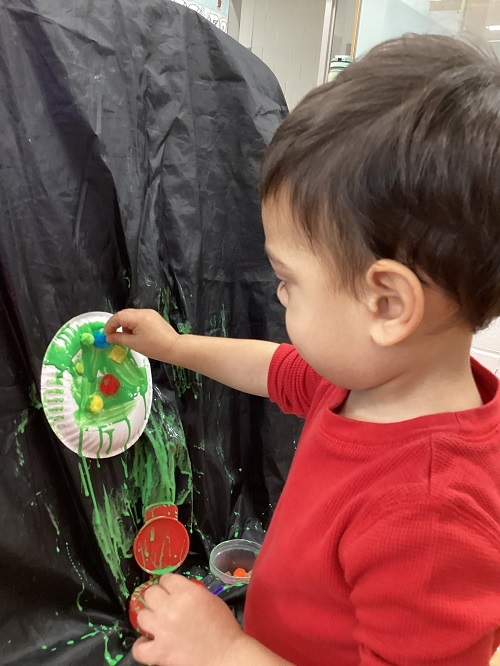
[[131, 135]]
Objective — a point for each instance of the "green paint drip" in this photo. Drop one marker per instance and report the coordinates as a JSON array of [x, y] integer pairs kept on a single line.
[[24, 421], [129, 432], [101, 442], [111, 661], [34, 397], [75, 568], [114, 535], [154, 468], [67, 352], [109, 433], [91, 635], [88, 487], [218, 324], [53, 520], [20, 431], [183, 379], [223, 321]]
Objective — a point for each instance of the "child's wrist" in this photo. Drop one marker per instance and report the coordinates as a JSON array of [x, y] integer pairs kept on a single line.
[[178, 352], [246, 651]]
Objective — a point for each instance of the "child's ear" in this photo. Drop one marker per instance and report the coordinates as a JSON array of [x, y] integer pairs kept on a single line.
[[395, 299]]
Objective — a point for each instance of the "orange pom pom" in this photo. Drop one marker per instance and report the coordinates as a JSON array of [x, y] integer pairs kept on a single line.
[[240, 573]]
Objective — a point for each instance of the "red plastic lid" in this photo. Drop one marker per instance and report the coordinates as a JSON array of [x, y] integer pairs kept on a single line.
[[137, 603], [160, 510], [161, 546], [198, 582]]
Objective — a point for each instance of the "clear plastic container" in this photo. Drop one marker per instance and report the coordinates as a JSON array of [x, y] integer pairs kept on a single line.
[[231, 555]]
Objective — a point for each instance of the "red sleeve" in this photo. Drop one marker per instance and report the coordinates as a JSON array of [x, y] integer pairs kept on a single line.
[[291, 382], [425, 583]]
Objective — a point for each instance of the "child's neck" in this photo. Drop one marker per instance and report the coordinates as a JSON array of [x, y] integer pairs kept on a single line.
[[435, 378]]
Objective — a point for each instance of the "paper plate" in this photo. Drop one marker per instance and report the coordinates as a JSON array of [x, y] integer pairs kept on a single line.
[[83, 415]]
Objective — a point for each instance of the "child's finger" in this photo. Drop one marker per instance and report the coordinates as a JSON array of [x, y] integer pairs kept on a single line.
[[154, 597], [144, 651], [147, 623], [113, 324], [173, 583], [126, 319], [125, 339]]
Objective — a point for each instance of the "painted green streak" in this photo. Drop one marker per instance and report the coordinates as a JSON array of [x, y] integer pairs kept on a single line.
[[111, 661], [53, 520], [103, 631], [184, 380], [184, 328], [20, 431], [34, 397]]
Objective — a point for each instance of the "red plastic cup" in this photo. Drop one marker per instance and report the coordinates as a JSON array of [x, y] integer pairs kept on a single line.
[[160, 510], [161, 546], [137, 603]]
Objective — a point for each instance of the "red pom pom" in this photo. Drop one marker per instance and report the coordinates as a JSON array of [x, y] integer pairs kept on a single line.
[[109, 385]]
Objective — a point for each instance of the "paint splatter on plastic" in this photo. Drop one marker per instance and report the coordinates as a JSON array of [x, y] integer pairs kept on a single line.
[[35, 402], [157, 469], [20, 431], [184, 380]]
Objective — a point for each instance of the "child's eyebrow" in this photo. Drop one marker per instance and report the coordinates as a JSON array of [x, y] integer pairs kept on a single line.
[[272, 257]]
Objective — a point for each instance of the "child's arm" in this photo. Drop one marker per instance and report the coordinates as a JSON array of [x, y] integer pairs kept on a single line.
[[241, 364], [191, 627]]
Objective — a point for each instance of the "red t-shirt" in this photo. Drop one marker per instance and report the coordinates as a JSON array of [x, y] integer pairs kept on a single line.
[[385, 544]]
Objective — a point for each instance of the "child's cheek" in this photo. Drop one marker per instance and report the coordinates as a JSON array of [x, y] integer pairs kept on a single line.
[[298, 324]]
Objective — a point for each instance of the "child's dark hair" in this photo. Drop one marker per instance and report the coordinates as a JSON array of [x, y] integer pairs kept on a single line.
[[399, 158]]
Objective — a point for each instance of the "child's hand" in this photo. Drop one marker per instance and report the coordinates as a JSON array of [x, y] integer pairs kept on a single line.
[[189, 625], [145, 331]]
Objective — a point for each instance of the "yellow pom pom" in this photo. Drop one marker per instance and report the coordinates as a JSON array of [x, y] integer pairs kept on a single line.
[[96, 405], [79, 368], [117, 354]]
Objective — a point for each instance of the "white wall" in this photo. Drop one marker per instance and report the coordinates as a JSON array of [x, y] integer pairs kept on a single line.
[[487, 347], [289, 36], [385, 19], [233, 26]]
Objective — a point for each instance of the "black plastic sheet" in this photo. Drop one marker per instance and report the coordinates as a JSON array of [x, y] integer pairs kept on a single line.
[[130, 146]]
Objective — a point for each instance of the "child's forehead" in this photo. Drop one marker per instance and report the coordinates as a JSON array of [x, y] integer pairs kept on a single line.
[[278, 206], [280, 218]]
